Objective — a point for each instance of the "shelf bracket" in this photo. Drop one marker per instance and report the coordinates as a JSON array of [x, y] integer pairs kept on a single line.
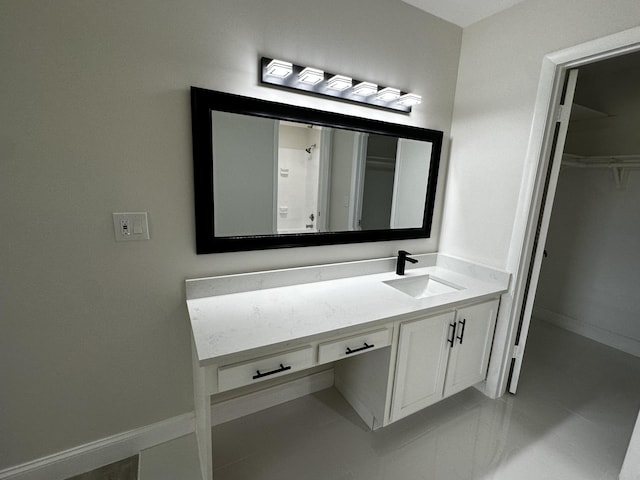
[[621, 177]]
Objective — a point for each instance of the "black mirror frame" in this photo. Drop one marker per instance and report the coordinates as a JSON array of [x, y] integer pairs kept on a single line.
[[204, 101]]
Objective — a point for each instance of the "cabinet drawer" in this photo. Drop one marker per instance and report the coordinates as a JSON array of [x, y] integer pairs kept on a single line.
[[253, 371], [350, 346]]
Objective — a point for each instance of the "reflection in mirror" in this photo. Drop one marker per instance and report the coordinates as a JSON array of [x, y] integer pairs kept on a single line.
[[269, 175], [281, 177]]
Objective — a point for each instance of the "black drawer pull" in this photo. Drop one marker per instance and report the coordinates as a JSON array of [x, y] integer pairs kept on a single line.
[[463, 323], [453, 334], [266, 374], [355, 350]]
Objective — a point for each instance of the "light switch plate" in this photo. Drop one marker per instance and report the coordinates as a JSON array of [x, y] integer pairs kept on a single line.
[[131, 226]]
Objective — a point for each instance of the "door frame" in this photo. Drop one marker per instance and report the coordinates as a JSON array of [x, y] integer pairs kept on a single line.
[[547, 107], [356, 192], [324, 178]]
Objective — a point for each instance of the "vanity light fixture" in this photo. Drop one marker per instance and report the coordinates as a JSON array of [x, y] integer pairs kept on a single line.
[[388, 94], [279, 68], [365, 89], [312, 80], [339, 83], [311, 76]]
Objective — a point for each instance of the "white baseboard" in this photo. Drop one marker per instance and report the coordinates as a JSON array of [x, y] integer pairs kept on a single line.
[[607, 337], [111, 449], [93, 455], [240, 406]]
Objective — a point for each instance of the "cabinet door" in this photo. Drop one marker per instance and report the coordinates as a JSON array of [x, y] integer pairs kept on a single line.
[[469, 356], [421, 364]]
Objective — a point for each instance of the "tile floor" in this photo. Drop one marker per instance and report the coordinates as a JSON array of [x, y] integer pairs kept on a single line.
[[571, 419], [174, 460]]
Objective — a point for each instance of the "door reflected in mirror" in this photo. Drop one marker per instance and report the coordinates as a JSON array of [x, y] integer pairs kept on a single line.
[[281, 177], [270, 175]]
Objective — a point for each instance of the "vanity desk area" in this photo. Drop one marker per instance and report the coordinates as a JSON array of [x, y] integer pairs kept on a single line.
[[397, 344], [397, 337]]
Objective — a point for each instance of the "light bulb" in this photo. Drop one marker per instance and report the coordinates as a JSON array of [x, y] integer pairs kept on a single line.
[[364, 89], [311, 76], [279, 68]]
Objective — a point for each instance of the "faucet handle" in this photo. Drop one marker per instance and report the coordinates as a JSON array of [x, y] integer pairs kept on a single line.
[[404, 253]]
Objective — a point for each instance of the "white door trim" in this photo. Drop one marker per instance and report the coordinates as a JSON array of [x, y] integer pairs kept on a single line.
[[554, 68], [276, 172], [357, 180], [324, 178]]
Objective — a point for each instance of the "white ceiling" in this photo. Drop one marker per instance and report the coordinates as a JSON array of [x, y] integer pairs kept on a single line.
[[462, 12]]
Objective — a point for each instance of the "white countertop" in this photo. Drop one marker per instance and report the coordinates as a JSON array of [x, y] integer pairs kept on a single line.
[[231, 323]]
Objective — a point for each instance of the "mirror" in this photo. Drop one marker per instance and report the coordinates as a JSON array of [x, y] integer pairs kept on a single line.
[[270, 175]]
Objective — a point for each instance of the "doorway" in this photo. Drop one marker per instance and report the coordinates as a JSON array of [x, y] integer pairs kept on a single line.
[[591, 271], [588, 285], [299, 177], [594, 230], [535, 207]]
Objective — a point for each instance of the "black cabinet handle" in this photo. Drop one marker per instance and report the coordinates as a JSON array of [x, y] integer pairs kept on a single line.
[[266, 374], [366, 346], [463, 323], [453, 334]]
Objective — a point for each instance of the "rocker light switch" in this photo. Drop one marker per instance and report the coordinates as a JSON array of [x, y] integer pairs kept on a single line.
[[131, 226]]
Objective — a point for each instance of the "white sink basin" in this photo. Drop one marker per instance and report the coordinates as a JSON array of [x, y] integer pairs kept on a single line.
[[423, 286]]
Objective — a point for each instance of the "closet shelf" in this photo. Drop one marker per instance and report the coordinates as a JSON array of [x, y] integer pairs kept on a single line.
[[601, 161], [380, 162], [581, 112]]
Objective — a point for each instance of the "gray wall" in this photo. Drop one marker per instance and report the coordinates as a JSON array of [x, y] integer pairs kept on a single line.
[[589, 282], [244, 162], [499, 71], [94, 108]]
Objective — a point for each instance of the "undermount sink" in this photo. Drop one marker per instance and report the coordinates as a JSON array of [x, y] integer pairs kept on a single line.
[[422, 286]]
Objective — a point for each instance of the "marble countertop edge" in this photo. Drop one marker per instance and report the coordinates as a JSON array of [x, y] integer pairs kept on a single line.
[[276, 316]]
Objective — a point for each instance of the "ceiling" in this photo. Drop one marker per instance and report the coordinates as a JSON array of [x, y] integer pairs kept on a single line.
[[462, 12]]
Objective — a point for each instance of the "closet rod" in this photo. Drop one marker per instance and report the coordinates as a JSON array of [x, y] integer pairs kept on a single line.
[[601, 161], [573, 163], [620, 165]]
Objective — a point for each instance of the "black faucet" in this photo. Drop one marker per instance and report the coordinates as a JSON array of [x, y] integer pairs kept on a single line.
[[402, 259]]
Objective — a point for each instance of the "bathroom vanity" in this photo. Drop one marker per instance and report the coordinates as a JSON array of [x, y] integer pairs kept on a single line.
[[396, 343]]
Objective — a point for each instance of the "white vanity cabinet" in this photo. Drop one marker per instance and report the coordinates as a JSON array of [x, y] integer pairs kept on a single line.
[[441, 355], [469, 354], [392, 353], [421, 364]]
